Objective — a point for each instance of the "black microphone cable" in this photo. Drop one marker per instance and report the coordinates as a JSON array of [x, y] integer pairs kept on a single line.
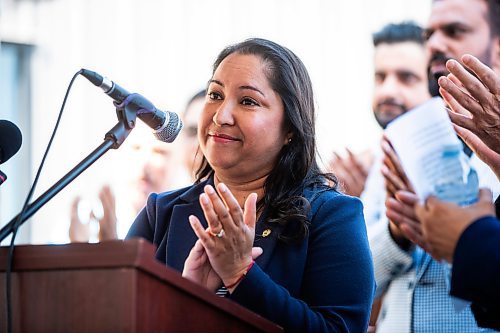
[[10, 256]]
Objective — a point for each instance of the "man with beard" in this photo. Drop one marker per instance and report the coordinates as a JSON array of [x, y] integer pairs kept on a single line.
[[454, 29], [423, 304], [400, 84]]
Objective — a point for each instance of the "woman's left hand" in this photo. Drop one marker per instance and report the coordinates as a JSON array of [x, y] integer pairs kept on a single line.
[[229, 238], [197, 268]]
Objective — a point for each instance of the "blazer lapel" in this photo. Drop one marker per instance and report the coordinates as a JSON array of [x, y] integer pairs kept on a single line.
[[181, 237]]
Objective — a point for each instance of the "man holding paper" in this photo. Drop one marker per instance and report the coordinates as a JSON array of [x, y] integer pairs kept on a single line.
[[455, 27], [469, 237]]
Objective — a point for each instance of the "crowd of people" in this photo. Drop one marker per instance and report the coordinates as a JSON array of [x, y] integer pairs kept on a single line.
[[456, 57], [264, 226]]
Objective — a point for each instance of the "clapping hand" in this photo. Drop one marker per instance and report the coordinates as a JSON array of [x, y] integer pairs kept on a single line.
[[401, 200], [350, 171], [79, 231], [444, 222], [108, 220], [475, 107], [474, 100], [224, 249]]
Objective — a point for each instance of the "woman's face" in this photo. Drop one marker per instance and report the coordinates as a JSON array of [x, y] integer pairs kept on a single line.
[[241, 129]]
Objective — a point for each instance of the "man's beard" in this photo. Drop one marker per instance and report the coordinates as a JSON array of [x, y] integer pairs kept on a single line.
[[384, 118], [433, 85], [432, 78]]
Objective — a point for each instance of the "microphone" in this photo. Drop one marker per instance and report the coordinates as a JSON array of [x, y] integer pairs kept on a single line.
[[166, 125], [10, 140]]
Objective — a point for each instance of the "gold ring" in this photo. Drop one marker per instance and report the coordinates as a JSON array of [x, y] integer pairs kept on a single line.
[[218, 235]]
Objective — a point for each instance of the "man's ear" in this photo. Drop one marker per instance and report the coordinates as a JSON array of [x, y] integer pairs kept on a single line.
[[495, 55]]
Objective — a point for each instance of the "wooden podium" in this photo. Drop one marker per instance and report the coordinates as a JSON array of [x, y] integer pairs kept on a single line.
[[114, 286]]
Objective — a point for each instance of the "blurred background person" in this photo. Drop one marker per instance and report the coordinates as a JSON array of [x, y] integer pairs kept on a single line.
[[192, 155], [455, 27], [152, 166], [156, 166], [400, 84]]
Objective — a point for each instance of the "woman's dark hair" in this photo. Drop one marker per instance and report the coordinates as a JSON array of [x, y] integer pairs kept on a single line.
[[296, 167]]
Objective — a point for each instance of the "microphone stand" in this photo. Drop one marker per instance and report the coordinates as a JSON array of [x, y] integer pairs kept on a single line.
[[112, 140]]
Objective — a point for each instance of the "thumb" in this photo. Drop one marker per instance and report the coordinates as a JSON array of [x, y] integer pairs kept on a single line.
[[197, 251], [485, 195], [256, 252], [431, 201]]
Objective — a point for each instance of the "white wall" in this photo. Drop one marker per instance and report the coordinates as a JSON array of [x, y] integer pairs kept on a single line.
[[164, 49]]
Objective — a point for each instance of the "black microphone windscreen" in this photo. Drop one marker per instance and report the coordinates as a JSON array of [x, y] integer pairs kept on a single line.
[[10, 140]]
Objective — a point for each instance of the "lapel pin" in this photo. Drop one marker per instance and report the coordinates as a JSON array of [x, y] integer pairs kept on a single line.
[[266, 232]]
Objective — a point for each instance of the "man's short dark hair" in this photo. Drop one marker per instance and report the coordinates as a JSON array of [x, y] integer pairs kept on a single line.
[[399, 33]]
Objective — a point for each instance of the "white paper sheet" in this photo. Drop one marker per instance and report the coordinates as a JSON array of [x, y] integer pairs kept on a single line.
[[431, 154]]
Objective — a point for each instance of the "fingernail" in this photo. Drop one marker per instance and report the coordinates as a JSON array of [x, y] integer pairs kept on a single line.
[[442, 81], [451, 64], [191, 219], [209, 189], [222, 187], [204, 199]]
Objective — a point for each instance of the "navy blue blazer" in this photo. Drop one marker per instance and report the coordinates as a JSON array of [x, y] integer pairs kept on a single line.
[[476, 270], [324, 284]]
